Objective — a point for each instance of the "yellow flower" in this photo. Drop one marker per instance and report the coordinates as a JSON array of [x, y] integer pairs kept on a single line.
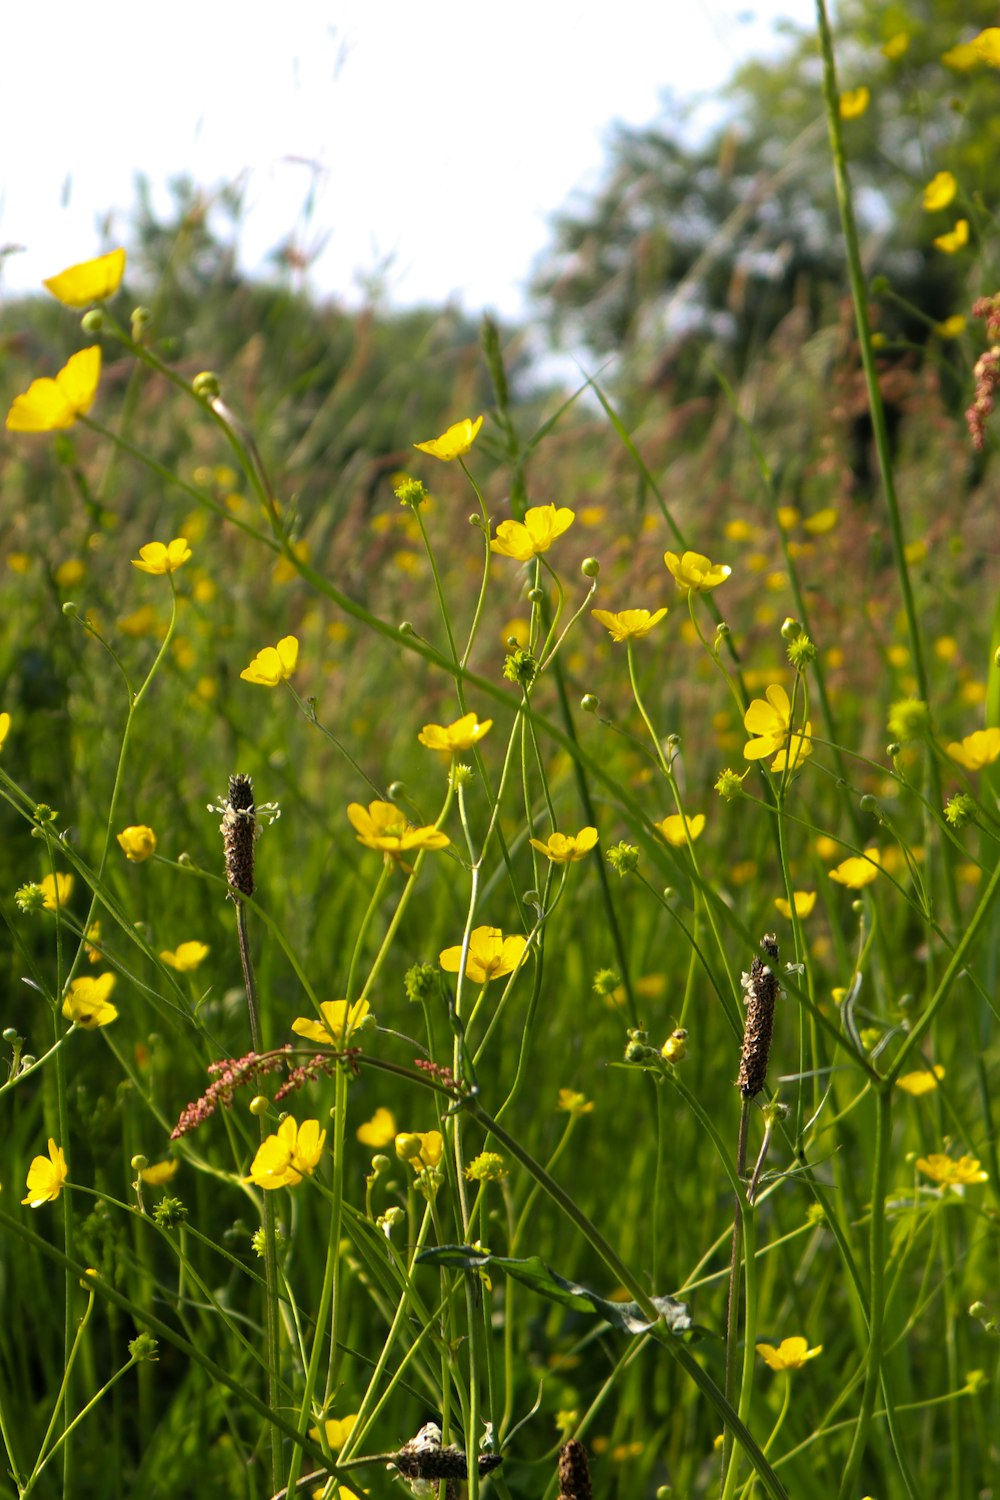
[[339, 1021], [961, 58], [452, 444], [158, 558], [857, 871], [488, 1166], [694, 573], [70, 573], [951, 328], [87, 1004], [566, 848], [804, 903], [91, 939], [854, 102], [274, 664], [338, 1430], [284, 1159], [454, 738], [897, 46], [4, 728], [160, 1172], [955, 239], [89, 281], [950, 1173], [791, 1354], [539, 529], [57, 890], [49, 405], [628, 624], [421, 1148], [769, 718], [976, 750], [939, 192], [382, 826], [987, 46], [186, 956], [380, 1130], [924, 1081], [46, 1176], [822, 522], [672, 829], [490, 955], [137, 843], [574, 1103]]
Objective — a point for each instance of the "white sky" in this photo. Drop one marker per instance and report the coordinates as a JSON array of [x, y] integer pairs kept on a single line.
[[434, 139]]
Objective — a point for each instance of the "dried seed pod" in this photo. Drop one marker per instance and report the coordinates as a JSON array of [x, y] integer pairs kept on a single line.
[[239, 826], [762, 989]]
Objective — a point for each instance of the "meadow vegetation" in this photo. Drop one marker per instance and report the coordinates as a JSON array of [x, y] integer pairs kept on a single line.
[[499, 883]]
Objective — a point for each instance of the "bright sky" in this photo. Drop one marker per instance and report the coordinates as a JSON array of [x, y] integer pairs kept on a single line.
[[432, 140]]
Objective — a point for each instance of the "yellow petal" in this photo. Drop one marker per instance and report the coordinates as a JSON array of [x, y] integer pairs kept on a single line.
[[89, 281]]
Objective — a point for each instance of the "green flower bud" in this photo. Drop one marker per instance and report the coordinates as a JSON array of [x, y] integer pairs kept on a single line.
[[791, 630], [206, 385], [590, 567], [623, 858], [92, 322], [144, 1346], [259, 1105], [421, 982], [139, 1162], [590, 703]]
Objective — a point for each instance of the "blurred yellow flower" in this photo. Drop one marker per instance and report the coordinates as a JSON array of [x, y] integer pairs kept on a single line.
[[566, 848], [822, 522], [46, 1176], [382, 826], [574, 1103], [50, 405], [57, 890], [284, 1159], [977, 750], [951, 328], [987, 46], [4, 728], [490, 955], [380, 1130], [955, 239], [854, 102], [89, 281], [273, 664], [185, 957], [87, 1004], [924, 1081], [672, 829], [858, 871], [539, 529], [791, 1354], [804, 903], [337, 1429], [452, 444], [694, 573], [159, 558], [137, 843], [950, 1173], [454, 738], [421, 1148], [340, 1021], [159, 1173], [961, 57], [897, 46], [939, 192], [628, 624]]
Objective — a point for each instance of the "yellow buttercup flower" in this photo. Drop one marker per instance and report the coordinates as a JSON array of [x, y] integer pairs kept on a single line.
[[987, 46], [159, 1173], [46, 1176], [185, 957], [977, 750], [566, 848], [452, 444], [854, 102], [939, 192], [89, 281], [382, 826], [791, 1354], [490, 955], [274, 664], [951, 328], [897, 46], [694, 573], [628, 624], [574, 1103], [672, 828], [159, 558], [454, 738], [340, 1021], [50, 405], [858, 871], [804, 903], [924, 1081], [380, 1130], [769, 719], [955, 239], [961, 57], [964, 1172], [87, 1004], [137, 843], [526, 539], [4, 728], [56, 890], [337, 1429], [284, 1159], [421, 1148]]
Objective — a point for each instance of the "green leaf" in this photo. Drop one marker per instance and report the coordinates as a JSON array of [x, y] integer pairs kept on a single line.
[[534, 1273]]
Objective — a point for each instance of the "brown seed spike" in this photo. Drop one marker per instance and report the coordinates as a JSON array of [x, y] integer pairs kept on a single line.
[[574, 1474], [762, 990], [238, 832]]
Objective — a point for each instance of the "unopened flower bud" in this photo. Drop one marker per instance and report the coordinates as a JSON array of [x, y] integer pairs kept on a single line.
[[590, 567], [206, 385], [92, 322], [139, 1162], [380, 1164], [397, 789], [259, 1105], [536, 596], [791, 629], [590, 703]]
